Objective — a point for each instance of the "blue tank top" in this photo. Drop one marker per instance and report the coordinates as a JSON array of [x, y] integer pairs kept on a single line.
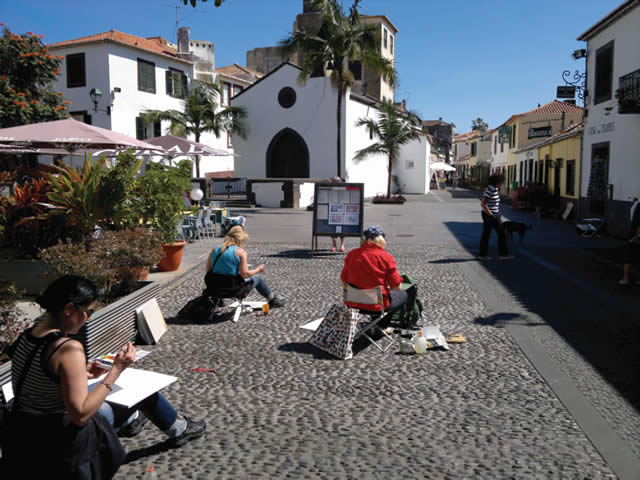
[[228, 263]]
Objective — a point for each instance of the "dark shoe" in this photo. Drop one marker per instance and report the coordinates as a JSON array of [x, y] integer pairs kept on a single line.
[[135, 427], [276, 302], [195, 429]]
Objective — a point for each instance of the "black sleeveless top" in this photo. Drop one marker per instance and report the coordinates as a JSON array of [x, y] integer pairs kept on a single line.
[[40, 393]]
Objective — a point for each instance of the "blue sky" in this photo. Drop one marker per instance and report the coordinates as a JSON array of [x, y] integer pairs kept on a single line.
[[458, 59]]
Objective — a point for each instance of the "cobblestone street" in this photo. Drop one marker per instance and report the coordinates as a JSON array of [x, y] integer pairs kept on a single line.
[[278, 408]]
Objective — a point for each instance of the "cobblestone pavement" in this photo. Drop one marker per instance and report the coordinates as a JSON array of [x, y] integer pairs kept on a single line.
[[278, 408]]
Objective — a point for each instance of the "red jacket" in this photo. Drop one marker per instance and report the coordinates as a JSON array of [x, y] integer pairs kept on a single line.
[[367, 267]]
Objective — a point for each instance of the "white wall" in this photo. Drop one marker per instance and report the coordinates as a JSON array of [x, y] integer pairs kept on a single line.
[[306, 194], [372, 171], [609, 126], [312, 116], [414, 179], [269, 194], [498, 159]]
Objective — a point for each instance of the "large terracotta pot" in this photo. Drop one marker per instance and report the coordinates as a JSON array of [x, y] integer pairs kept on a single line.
[[172, 256]]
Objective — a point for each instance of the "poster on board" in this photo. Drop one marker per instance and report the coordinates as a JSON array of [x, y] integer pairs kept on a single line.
[[338, 209]]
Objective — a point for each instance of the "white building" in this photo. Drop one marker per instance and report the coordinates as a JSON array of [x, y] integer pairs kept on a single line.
[[135, 74], [292, 135], [611, 142]]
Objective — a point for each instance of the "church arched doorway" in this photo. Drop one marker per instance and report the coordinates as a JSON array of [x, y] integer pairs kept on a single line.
[[288, 155]]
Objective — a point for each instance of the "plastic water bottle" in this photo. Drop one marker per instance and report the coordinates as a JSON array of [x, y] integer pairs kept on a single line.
[[150, 473], [421, 343]]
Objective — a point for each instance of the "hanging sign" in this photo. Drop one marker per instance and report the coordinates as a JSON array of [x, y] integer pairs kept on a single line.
[[566, 92], [540, 132]]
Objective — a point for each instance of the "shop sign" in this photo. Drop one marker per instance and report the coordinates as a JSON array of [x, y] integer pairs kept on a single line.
[[602, 128], [566, 92], [540, 132]]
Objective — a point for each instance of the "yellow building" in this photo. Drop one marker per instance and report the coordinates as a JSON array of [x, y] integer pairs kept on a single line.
[[525, 129], [556, 165]]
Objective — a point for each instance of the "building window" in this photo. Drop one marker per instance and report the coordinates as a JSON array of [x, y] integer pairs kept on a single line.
[[76, 71], [512, 143], [391, 43], [474, 149], [81, 116], [140, 130], [176, 82], [570, 181], [604, 73], [355, 67], [157, 129], [495, 144], [146, 76], [236, 90], [411, 164], [501, 147], [226, 90], [385, 38]]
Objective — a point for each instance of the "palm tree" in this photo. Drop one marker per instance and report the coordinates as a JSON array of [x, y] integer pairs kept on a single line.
[[341, 38], [201, 115], [392, 129]]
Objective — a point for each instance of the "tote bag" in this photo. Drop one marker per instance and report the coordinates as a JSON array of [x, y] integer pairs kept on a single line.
[[336, 332]]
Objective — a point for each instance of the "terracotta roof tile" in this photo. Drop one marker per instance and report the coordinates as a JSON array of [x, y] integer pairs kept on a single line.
[[555, 106], [157, 45], [240, 72]]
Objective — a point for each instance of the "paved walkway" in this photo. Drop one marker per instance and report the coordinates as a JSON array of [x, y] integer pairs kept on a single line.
[[530, 395]]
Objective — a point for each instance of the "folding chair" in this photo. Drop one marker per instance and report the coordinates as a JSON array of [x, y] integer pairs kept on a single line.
[[373, 297], [591, 226], [209, 224], [220, 286]]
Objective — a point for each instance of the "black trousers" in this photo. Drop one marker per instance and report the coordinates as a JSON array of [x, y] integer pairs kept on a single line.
[[493, 222]]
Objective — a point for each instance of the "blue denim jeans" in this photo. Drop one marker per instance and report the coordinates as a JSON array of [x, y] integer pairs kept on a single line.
[[261, 286], [155, 407]]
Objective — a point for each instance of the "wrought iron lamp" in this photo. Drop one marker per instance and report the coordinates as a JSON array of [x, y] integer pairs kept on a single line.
[[95, 94]]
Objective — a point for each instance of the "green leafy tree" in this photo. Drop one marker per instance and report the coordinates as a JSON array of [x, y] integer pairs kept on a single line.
[[201, 115], [392, 129], [341, 38], [480, 125], [27, 93]]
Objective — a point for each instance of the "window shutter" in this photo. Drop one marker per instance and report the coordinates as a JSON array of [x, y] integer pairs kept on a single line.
[[184, 83], [139, 128], [157, 129], [168, 82]]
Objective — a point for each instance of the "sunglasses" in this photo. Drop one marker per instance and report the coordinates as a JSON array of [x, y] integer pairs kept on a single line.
[[88, 311]]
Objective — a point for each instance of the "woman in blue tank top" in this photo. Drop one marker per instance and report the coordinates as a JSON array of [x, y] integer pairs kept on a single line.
[[230, 258]]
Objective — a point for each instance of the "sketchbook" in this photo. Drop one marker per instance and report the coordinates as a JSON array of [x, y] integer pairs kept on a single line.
[[151, 322], [134, 385]]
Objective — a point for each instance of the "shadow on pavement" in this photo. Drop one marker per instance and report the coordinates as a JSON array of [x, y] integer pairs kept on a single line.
[[306, 253], [443, 261], [598, 321], [464, 194], [306, 348], [500, 320], [134, 455]]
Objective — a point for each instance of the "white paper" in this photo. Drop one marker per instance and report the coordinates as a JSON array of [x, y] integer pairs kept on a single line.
[[344, 196], [323, 195], [336, 208], [134, 385], [252, 304], [313, 326], [355, 196], [338, 228], [334, 196], [151, 321], [7, 391], [323, 212], [336, 218], [351, 220], [354, 209]]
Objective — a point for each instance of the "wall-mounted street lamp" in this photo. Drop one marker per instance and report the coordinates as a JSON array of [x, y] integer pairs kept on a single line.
[[577, 54], [95, 94]]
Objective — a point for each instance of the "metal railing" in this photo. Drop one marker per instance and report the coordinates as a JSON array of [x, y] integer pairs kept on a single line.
[[628, 93]]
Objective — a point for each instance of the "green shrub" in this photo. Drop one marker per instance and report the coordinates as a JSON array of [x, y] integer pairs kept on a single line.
[[12, 321]]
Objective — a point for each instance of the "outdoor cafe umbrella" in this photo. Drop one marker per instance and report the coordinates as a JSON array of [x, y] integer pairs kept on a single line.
[[69, 135], [182, 146], [437, 166]]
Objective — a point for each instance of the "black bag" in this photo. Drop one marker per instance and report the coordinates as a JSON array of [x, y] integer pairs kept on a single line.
[[410, 312], [199, 308]]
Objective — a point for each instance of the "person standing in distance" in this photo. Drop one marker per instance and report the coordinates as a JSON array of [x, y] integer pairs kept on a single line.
[[491, 219]]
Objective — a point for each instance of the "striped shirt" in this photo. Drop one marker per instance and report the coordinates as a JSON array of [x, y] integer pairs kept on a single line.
[[41, 393], [493, 198]]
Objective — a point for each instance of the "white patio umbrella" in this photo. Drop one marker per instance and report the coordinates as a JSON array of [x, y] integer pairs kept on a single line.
[[437, 166]]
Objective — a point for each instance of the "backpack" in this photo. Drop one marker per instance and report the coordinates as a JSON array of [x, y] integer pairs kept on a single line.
[[411, 312], [198, 309]]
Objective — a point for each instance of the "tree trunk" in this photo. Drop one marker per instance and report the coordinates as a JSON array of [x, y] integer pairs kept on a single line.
[[198, 158], [339, 123], [389, 179]]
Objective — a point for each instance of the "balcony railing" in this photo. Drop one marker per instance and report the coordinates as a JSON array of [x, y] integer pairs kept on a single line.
[[628, 93]]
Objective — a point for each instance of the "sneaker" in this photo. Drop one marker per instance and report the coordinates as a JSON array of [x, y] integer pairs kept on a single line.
[[342, 248], [333, 249], [507, 257], [276, 302], [483, 257], [134, 427], [195, 429]]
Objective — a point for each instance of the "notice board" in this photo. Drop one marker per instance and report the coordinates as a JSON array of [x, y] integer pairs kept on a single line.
[[338, 210]]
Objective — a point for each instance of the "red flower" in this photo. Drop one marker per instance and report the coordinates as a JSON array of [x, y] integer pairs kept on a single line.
[[20, 94], [35, 102], [67, 102]]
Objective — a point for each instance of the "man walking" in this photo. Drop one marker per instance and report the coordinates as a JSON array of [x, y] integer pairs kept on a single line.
[[491, 219]]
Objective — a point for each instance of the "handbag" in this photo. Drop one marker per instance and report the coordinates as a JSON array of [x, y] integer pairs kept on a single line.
[[336, 332]]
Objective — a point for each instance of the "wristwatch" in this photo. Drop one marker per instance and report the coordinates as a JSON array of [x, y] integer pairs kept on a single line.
[[107, 384]]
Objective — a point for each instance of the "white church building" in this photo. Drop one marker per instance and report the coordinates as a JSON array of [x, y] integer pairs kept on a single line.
[[292, 137]]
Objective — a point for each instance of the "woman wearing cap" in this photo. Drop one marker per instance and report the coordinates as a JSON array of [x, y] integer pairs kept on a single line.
[[54, 413], [371, 265], [230, 258]]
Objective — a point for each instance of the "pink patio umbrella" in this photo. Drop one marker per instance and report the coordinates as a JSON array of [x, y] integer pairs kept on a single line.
[[182, 146], [69, 135]]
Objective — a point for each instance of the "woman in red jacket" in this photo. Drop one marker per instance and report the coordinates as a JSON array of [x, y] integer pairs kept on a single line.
[[371, 265]]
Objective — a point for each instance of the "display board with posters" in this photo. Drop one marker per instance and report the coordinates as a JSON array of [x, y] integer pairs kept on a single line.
[[337, 210]]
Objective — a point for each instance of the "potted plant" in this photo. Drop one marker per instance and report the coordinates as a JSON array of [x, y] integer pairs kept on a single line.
[[160, 204], [131, 252]]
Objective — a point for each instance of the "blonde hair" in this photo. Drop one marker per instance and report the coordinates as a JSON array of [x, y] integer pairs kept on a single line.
[[237, 236], [379, 240]]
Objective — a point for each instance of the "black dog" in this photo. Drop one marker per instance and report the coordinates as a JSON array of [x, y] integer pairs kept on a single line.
[[516, 227]]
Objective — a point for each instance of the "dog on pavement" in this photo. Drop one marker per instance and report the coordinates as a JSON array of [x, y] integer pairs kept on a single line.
[[516, 227]]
